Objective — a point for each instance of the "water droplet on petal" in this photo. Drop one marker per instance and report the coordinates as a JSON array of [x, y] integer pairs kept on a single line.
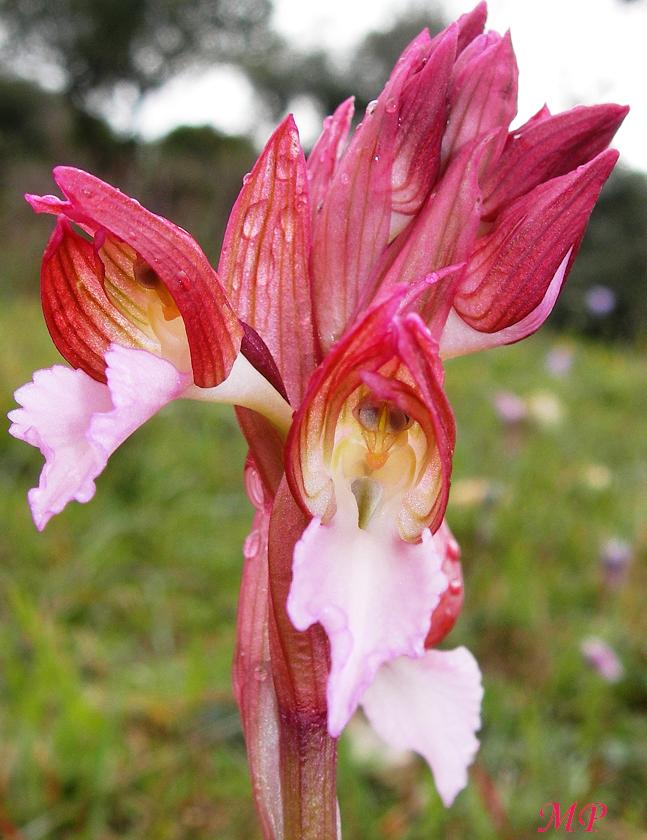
[[252, 545], [372, 105], [254, 485], [288, 152], [455, 586], [283, 168], [286, 218], [391, 105], [260, 673], [344, 178], [247, 177], [254, 219]]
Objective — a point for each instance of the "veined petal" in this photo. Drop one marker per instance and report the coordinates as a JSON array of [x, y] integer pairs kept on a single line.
[[80, 317], [422, 117], [425, 504], [546, 147], [326, 153], [310, 441], [430, 705], [373, 594], [443, 234], [77, 423], [470, 25], [352, 229], [483, 93], [458, 338], [264, 260], [396, 360], [212, 329], [511, 268]]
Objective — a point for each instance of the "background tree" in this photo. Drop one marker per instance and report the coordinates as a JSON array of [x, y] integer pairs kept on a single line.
[[97, 45]]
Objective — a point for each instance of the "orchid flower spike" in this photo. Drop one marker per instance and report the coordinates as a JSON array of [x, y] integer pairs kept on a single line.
[[369, 457], [142, 318], [345, 280]]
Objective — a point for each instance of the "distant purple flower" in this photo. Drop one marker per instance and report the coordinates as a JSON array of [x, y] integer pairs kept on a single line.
[[559, 360], [615, 556], [602, 658], [600, 300], [510, 407]]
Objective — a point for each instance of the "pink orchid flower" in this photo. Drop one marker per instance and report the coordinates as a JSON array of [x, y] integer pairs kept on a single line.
[[142, 318], [434, 230]]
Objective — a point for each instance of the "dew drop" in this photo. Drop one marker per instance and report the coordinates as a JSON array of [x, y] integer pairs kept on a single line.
[[286, 218], [372, 105], [376, 158], [254, 486], [260, 673], [252, 545], [344, 178], [391, 105], [283, 168], [254, 218], [290, 145], [247, 177], [288, 152], [455, 586]]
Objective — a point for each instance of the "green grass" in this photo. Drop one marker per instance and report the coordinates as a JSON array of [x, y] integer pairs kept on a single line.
[[117, 623]]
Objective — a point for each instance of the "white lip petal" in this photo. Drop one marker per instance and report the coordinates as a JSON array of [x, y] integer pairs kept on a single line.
[[372, 592], [431, 705]]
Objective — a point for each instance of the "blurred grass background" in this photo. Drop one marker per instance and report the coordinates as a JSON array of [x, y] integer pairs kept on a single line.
[[117, 624]]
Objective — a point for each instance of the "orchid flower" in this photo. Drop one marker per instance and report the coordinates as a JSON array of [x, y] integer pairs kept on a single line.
[[141, 316], [344, 282]]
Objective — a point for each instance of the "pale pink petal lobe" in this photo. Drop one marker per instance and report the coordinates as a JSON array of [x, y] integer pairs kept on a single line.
[[77, 423], [140, 385], [374, 595], [57, 406], [430, 705]]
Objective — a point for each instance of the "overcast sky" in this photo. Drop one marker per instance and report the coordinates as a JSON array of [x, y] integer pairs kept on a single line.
[[569, 52]]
